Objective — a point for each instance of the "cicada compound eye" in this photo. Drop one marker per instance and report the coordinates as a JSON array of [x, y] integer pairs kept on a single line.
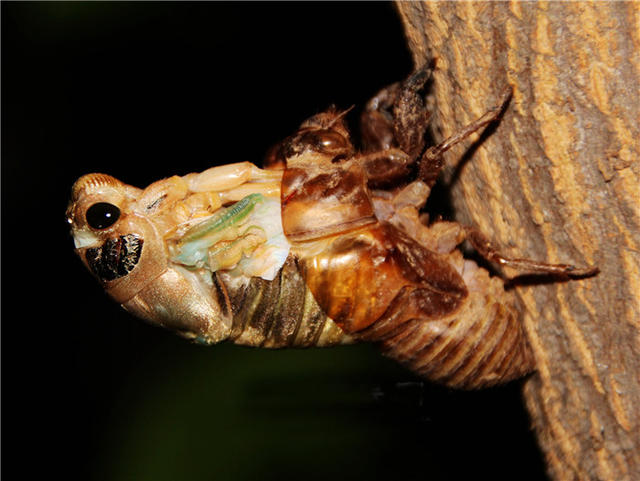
[[102, 215]]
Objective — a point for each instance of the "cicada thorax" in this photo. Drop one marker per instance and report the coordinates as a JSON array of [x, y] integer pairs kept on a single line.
[[323, 203]]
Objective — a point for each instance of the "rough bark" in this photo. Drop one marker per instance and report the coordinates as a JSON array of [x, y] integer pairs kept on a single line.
[[556, 180]]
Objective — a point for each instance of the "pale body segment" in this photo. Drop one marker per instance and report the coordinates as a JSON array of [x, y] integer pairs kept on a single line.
[[189, 246]]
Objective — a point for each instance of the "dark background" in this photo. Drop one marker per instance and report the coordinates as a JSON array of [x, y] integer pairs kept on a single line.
[[146, 90]]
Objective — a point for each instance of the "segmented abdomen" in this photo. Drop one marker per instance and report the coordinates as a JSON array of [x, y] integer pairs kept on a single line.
[[480, 345], [281, 313]]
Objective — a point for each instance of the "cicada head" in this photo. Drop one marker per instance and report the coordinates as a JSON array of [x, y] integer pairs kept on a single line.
[[118, 235], [108, 238]]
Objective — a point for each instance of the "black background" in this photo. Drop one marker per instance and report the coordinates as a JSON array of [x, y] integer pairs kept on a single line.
[[142, 91]]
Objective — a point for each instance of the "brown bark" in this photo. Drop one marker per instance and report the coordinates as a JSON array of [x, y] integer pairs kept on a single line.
[[556, 180]]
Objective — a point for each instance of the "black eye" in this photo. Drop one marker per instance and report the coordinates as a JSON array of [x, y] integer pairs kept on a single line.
[[102, 215]]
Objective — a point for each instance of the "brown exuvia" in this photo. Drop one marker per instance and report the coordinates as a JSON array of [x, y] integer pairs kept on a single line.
[[324, 246]]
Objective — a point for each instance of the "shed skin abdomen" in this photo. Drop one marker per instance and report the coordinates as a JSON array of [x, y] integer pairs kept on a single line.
[[480, 345], [459, 327]]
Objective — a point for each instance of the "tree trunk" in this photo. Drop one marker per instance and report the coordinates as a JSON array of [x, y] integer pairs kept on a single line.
[[555, 180]]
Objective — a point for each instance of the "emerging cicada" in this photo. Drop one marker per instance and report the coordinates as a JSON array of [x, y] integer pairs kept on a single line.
[[325, 246]]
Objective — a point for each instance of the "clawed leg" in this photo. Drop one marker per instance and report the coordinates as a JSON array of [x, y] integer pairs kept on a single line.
[[397, 117], [410, 114], [376, 121], [487, 250], [431, 163]]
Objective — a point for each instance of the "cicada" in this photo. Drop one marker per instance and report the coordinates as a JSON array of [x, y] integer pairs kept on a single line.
[[325, 245]]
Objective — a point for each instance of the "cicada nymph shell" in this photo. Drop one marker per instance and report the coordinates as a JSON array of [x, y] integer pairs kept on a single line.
[[326, 246]]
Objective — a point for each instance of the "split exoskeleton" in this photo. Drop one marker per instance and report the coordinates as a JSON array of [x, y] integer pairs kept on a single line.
[[325, 246]]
